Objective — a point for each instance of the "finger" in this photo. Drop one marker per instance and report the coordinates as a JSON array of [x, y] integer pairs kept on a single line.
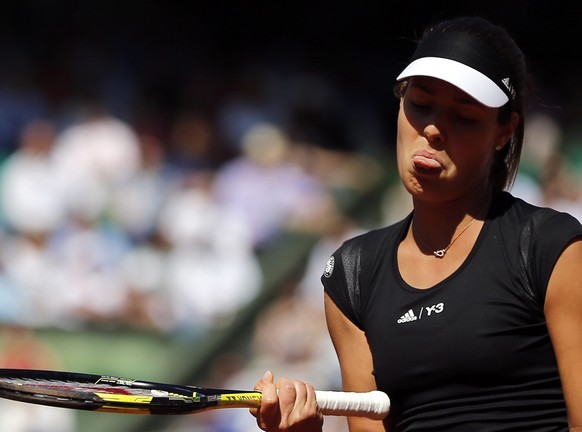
[[306, 414], [311, 401], [298, 403], [290, 394], [265, 380], [269, 415]]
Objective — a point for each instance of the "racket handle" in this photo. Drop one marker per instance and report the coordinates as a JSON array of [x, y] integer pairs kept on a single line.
[[374, 404]]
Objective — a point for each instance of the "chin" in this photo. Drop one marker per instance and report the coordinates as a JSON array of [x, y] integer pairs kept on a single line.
[[413, 186]]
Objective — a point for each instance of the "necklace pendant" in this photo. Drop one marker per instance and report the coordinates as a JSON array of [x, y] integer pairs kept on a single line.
[[439, 253]]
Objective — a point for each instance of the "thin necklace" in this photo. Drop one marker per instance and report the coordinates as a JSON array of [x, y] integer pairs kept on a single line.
[[440, 253]]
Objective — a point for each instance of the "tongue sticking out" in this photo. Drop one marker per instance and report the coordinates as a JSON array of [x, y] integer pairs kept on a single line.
[[425, 163]]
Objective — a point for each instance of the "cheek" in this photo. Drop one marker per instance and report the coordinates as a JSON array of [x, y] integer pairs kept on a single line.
[[406, 137], [473, 160], [477, 144], [406, 133]]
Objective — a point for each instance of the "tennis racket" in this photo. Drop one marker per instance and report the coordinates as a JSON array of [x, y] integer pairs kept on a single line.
[[122, 395]]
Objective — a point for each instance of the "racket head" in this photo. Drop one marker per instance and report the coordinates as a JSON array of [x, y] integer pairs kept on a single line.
[[114, 394]]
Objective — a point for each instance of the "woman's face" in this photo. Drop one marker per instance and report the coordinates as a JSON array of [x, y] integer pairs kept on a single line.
[[446, 140]]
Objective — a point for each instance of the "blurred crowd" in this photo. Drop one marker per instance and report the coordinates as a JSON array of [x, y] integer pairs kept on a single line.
[[105, 221]]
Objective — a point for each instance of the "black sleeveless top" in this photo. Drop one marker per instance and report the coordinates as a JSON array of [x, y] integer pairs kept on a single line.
[[471, 353]]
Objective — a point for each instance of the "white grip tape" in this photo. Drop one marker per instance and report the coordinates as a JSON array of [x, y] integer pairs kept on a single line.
[[374, 404]]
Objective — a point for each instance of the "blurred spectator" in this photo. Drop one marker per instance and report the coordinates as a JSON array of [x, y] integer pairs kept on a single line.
[[135, 202], [561, 190], [547, 177], [93, 157], [266, 188], [192, 144], [542, 139], [88, 286], [14, 304], [211, 270], [143, 268], [29, 275], [31, 195], [257, 97], [33, 207]]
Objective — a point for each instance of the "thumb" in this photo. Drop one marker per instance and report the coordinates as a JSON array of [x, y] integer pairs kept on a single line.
[[267, 378]]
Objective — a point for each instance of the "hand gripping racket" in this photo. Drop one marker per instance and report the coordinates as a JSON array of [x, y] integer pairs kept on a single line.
[[122, 395]]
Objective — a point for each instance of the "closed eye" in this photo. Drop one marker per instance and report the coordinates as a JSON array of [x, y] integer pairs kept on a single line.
[[420, 106], [465, 118]]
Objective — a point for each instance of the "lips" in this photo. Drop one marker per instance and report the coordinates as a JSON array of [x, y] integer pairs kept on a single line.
[[426, 161]]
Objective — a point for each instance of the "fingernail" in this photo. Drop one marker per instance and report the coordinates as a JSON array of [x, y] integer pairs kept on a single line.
[[267, 375]]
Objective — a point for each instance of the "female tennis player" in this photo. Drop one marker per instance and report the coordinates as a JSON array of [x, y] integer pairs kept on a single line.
[[467, 313]]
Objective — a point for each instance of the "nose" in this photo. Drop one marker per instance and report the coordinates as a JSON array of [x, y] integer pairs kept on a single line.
[[433, 133]]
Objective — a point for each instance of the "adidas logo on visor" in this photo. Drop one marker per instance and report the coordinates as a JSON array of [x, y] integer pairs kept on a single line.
[[507, 83]]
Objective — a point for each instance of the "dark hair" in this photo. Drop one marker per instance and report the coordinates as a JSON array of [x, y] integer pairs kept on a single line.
[[506, 161]]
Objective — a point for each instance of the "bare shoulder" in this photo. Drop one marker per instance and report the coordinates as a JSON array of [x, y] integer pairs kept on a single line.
[[565, 278]]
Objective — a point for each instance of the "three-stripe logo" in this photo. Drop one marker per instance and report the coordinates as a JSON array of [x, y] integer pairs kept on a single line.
[[407, 317]]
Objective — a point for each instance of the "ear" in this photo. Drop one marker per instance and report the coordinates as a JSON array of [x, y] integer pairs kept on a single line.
[[505, 131]]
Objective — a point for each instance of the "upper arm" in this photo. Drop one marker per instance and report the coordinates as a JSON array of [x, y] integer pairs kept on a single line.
[[355, 360], [563, 309]]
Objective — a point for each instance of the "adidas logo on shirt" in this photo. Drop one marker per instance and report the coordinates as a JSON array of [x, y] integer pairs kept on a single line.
[[407, 317]]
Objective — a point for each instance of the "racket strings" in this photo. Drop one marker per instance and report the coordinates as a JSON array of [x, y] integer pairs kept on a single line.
[[27, 383]]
